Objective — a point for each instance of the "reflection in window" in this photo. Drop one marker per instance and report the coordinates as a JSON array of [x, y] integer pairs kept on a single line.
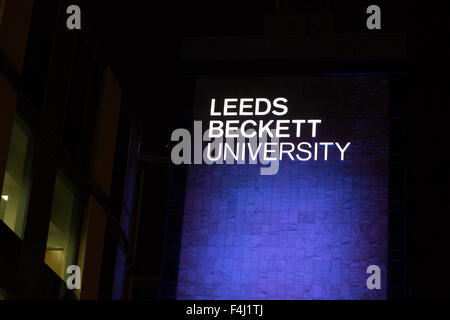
[[62, 238], [14, 193]]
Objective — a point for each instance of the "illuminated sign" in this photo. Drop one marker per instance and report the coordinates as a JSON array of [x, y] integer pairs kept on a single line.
[[255, 137]]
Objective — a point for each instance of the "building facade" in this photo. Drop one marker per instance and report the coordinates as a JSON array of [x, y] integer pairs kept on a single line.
[[231, 226], [69, 145]]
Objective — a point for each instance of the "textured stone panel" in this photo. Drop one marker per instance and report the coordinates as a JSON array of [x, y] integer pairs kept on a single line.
[[308, 232]]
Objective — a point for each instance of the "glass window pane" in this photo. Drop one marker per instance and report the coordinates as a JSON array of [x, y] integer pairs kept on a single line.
[[2, 11], [2, 294], [62, 240], [14, 194]]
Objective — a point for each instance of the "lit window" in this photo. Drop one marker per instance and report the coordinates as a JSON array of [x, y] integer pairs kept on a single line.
[[62, 241], [14, 193]]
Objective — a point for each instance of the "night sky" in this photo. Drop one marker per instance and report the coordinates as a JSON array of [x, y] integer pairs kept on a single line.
[[143, 41]]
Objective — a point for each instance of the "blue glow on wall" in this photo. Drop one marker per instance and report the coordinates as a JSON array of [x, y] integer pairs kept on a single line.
[[308, 232]]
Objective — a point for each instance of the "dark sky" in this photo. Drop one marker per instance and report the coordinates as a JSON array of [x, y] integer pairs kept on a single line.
[[142, 35], [143, 42], [143, 38]]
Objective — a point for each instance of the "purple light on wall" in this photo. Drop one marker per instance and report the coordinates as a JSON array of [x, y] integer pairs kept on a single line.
[[126, 210], [308, 232]]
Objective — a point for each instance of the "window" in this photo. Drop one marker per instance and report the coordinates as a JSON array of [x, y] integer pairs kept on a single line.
[[82, 105], [120, 163], [39, 49], [14, 194], [2, 294], [62, 241], [2, 11]]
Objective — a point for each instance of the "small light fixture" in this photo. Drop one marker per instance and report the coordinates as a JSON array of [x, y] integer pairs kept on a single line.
[[5, 197]]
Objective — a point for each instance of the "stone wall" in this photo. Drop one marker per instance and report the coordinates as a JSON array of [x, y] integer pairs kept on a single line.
[[308, 232]]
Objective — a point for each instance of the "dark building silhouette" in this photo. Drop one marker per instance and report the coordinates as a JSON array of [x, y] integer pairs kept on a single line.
[[68, 158]]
